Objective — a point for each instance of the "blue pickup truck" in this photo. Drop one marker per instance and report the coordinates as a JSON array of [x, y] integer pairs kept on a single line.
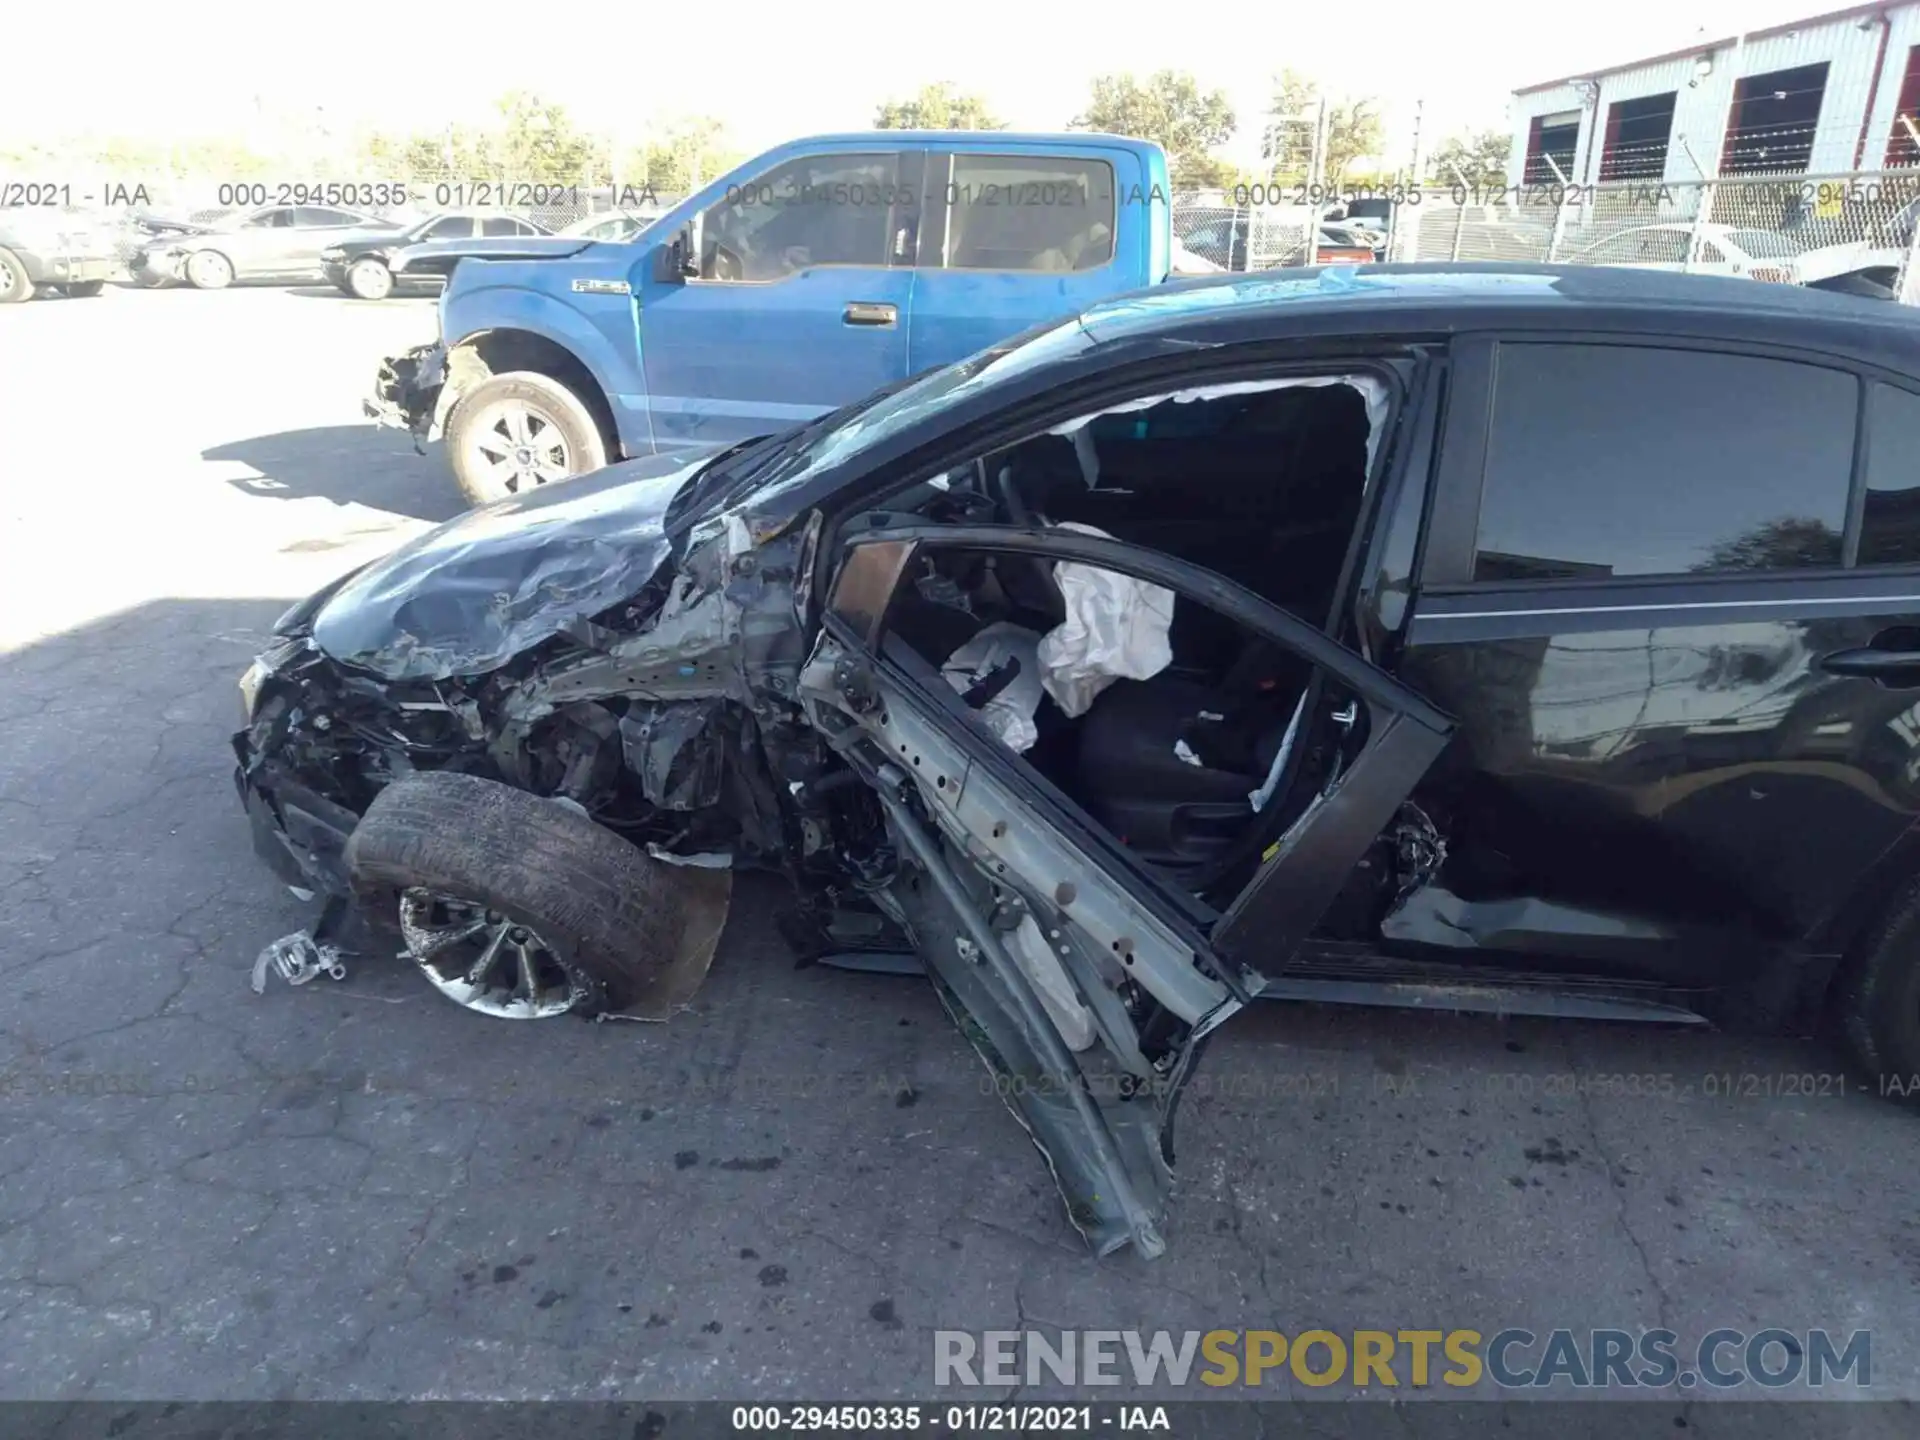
[[806, 278]]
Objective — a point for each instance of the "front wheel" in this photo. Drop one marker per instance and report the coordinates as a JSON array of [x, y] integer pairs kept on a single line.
[[514, 906], [209, 270], [370, 279], [1878, 1002], [518, 431], [14, 284]]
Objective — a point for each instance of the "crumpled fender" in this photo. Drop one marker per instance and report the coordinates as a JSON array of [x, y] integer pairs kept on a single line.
[[507, 302]]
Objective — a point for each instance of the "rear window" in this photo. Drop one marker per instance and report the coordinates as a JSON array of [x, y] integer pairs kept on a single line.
[[1027, 212], [1614, 460]]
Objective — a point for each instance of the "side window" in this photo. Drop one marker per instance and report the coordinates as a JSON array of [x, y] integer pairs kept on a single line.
[[278, 219], [497, 225], [1018, 212], [1611, 460], [313, 215], [1890, 527], [452, 227], [816, 210]]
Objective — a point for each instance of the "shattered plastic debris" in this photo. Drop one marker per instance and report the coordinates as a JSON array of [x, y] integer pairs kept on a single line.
[[1183, 752], [296, 958]]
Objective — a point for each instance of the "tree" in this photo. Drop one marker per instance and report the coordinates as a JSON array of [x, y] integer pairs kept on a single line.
[[1168, 108], [939, 106], [682, 155], [537, 141], [1481, 156], [1354, 129], [1286, 139]]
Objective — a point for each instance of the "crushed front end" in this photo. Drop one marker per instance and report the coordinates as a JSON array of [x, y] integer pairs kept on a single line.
[[408, 390]]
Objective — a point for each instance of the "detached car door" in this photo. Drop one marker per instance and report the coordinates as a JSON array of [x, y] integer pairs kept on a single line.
[[1086, 978], [801, 303]]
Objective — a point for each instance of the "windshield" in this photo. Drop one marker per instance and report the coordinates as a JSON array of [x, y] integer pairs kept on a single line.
[[848, 433]]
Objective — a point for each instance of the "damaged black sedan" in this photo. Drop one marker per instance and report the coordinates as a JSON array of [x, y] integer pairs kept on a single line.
[[1082, 675]]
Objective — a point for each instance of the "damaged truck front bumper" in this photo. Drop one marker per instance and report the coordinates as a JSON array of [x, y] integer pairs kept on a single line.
[[408, 393]]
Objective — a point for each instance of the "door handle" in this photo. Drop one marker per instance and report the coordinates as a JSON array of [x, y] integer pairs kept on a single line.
[[870, 312], [1893, 669]]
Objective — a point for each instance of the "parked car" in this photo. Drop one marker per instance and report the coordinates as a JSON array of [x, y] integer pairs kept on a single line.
[[1224, 240], [615, 229], [274, 241], [1408, 700], [359, 263], [1724, 250], [53, 248], [794, 284]]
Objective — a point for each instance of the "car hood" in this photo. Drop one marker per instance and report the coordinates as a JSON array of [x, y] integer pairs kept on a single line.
[[363, 239], [438, 255], [471, 594]]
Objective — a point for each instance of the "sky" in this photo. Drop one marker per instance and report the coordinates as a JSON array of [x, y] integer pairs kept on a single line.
[[773, 72]]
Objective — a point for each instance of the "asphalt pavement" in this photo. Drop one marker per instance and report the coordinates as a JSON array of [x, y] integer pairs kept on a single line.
[[356, 1190]]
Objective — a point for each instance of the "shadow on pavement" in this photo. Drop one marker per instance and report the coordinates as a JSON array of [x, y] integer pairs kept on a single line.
[[349, 465], [328, 292]]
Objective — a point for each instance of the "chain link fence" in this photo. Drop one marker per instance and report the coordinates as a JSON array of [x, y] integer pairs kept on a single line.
[[1855, 230]]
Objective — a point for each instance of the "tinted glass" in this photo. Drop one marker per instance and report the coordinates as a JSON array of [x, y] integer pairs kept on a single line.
[[1039, 212], [449, 227], [502, 225], [270, 220], [314, 215], [1624, 460], [1890, 528], [817, 210]]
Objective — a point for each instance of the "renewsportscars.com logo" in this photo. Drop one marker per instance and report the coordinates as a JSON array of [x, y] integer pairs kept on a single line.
[[1511, 1359]]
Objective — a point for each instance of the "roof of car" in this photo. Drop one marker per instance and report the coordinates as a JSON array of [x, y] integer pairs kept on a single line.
[[1447, 298]]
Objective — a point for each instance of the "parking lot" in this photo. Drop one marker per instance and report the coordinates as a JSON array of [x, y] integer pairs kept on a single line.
[[356, 1190]]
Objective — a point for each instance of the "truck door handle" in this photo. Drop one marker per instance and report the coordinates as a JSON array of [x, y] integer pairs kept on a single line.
[[1892, 669], [870, 312]]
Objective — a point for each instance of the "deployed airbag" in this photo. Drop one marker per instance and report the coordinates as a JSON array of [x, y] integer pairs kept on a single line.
[[1116, 629]]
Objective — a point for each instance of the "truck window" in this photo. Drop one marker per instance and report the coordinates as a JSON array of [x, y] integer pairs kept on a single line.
[[1890, 527], [1019, 212], [1610, 460], [816, 210]]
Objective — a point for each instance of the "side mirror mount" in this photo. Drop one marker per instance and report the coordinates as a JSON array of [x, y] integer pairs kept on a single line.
[[674, 262]]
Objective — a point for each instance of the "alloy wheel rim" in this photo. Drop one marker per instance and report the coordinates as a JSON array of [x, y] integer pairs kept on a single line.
[[516, 446], [483, 960]]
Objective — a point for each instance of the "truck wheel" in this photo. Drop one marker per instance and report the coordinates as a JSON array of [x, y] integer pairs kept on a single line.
[[209, 270], [1878, 1001], [520, 430], [370, 279], [14, 284], [513, 906], [85, 289]]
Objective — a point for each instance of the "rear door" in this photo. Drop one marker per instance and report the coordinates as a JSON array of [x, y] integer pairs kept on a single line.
[[1012, 239], [1673, 593], [802, 303]]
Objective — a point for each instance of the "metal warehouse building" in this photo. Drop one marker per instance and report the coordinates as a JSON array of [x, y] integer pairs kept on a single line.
[[1829, 94]]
